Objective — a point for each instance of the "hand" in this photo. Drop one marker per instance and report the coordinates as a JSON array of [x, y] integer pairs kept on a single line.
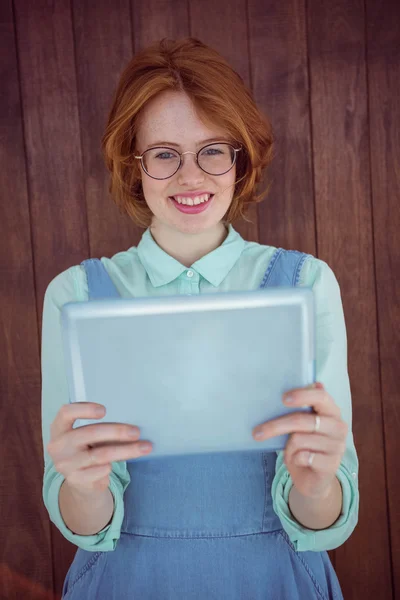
[[84, 455], [328, 445]]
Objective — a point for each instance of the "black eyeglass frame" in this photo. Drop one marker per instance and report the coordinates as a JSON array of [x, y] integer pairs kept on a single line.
[[188, 152]]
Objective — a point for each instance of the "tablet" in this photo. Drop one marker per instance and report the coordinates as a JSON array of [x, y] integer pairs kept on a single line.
[[195, 374]]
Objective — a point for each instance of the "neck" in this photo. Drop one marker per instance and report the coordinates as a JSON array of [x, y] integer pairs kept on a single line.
[[187, 248]]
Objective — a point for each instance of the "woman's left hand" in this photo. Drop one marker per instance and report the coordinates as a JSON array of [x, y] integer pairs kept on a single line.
[[327, 446]]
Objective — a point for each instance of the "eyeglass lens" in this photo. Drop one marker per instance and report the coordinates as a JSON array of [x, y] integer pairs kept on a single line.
[[215, 159]]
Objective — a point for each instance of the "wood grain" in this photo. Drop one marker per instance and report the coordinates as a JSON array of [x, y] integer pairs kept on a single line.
[[336, 34], [277, 33], [26, 553], [383, 52]]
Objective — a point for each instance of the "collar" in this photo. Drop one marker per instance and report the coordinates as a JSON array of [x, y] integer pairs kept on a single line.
[[214, 266]]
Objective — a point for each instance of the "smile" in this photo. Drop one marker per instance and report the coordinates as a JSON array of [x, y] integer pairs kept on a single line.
[[192, 206], [192, 201]]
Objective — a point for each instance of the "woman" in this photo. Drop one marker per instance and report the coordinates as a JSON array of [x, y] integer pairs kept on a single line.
[[186, 146]]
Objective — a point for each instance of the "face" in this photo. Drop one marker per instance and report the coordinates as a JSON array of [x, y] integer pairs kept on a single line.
[[171, 117]]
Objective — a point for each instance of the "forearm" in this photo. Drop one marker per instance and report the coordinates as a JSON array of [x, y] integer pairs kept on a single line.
[[85, 514], [318, 513]]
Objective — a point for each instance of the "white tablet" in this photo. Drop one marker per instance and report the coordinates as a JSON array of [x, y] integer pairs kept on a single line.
[[195, 374]]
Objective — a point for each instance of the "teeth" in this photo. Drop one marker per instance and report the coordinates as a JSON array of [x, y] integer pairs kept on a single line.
[[192, 201]]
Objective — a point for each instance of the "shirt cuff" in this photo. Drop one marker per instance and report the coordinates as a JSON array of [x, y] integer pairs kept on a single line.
[[305, 539], [103, 541]]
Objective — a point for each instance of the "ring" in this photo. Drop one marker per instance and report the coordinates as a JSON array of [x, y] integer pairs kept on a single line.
[[317, 423], [310, 458]]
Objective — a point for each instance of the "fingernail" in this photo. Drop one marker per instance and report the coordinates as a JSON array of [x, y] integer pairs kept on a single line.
[[144, 446], [133, 431], [289, 399], [258, 434]]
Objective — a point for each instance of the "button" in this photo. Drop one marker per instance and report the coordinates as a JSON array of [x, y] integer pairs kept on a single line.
[[354, 475], [190, 273]]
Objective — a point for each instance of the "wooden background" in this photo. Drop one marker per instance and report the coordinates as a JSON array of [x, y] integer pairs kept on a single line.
[[327, 73]]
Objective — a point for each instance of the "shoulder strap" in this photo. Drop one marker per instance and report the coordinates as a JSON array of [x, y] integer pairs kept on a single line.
[[284, 268], [99, 282]]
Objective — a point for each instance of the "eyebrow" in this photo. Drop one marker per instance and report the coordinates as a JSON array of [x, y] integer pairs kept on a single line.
[[222, 138]]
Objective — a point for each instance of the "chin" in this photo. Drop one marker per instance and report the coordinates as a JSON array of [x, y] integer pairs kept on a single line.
[[195, 227], [190, 224]]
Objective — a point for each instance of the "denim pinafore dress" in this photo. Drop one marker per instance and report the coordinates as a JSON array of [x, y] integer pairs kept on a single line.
[[202, 527]]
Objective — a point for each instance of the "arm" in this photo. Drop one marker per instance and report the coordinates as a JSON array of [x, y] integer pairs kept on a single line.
[[66, 287], [319, 513], [85, 514], [331, 370]]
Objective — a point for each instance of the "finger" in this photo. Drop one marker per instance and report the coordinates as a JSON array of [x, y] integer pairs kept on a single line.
[[69, 413], [319, 399], [90, 435], [302, 422], [102, 455], [105, 454], [102, 433], [314, 443], [323, 463]]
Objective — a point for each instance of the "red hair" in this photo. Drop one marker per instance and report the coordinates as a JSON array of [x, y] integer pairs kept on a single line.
[[189, 66]]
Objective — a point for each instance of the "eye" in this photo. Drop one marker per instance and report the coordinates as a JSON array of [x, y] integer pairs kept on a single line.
[[212, 150], [162, 155]]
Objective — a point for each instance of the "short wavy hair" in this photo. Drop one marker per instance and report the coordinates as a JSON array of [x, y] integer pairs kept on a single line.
[[220, 98]]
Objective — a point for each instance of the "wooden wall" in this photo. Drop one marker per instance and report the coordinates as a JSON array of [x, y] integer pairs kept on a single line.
[[327, 73]]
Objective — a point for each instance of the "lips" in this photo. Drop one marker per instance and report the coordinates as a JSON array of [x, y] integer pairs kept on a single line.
[[192, 209]]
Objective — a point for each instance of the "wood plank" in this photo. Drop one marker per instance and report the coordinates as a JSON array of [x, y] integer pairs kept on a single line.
[[103, 49], [25, 556], [336, 34], [157, 19], [280, 85], [383, 55], [55, 178], [231, 41]]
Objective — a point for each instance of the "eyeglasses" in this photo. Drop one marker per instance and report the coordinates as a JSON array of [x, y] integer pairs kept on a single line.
[[215, 159]]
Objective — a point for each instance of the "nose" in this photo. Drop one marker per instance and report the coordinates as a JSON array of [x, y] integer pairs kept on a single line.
[[190, 173]]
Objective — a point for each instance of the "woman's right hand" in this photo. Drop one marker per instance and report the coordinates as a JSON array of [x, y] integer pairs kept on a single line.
[[84, 455]]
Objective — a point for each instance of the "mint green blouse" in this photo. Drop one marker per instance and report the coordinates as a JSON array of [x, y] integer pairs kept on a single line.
[[236, 265]]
